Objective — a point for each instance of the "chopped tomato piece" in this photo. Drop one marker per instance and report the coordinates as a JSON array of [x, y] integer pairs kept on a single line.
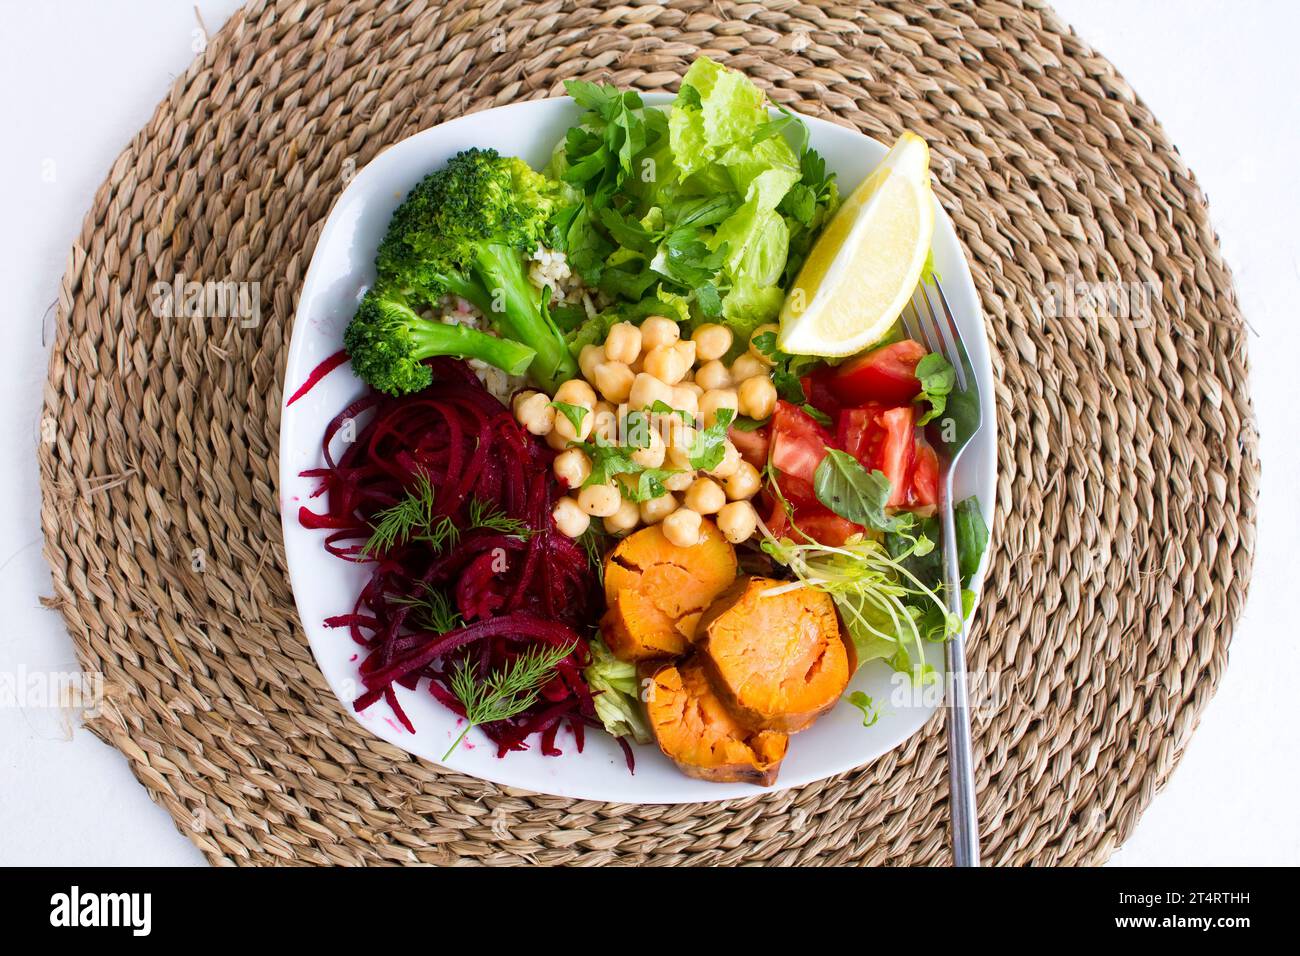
[[924, 491], [826, 527], [886, 375], [814, 520], [798, 442], [881, 439], [798, 491], [751, 445], [818, 389], [791, 418]]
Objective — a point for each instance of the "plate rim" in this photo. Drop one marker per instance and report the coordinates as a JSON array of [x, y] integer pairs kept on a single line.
[[552, 784]]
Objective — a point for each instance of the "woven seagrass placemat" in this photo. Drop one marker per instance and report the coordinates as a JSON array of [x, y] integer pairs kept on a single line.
[[1127, 458]]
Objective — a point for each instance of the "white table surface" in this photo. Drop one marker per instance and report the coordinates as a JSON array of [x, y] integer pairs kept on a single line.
[[79, 77]]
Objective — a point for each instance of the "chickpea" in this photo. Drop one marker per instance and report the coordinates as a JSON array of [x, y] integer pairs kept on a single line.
[[588, 359], [715, 399], [737, 521], [685, 349], [623, 343], [705, 496], [694, 387], [654, 510], [570, 519], [533, 411], [711, 341], [565, 429], [599, 501], [665, 363], [686, 400], [624, 519], [652, 456], [556, 441], [754, 350], [646, 390], [614, 379], [571, 467], [743, 482], [680, 480], [712, 375], [746, 367], [682, 527], [730, 463], [604, 421], [658, 330], [575, 392], [756, 397]]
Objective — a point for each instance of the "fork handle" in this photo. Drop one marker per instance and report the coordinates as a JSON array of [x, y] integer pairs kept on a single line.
[[961, 775]]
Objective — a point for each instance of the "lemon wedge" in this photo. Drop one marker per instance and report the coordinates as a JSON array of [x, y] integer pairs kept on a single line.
[[866, 264]]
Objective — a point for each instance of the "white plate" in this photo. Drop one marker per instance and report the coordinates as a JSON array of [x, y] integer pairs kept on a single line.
[[341, 268]]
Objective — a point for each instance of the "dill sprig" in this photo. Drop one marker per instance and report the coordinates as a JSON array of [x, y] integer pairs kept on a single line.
[[506, 692], [413, 518], [440, 532], [432, 609], [395, 525], [485, 514], [593, 542]]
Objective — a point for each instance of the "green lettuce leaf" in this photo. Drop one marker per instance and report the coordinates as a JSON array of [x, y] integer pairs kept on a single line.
[[616, 694], [716, 109]]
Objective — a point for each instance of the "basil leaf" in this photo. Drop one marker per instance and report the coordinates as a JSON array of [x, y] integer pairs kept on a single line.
[[972, 537], [576, 414], [844, 486], [937, 378], [925, 563]]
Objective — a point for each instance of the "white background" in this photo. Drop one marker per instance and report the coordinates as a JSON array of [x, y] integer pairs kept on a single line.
[[80, 77]]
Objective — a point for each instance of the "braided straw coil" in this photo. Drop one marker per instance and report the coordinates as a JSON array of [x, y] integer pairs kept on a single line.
[[1127, 458]]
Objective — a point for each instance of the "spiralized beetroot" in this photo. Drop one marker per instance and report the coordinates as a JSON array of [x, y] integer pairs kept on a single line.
[[513, 592]]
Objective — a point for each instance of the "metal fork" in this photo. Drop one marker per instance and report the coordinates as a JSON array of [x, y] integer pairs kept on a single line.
[[937, 330]]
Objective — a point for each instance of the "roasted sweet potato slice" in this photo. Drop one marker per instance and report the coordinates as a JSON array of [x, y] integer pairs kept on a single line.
[[695, 730], [656, 591], [777, 661]]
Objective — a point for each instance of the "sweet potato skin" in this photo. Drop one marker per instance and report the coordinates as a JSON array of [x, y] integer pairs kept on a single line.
[[778, 662], [696, 732], [656, 591]]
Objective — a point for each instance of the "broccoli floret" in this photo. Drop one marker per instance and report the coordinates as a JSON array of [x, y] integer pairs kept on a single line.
[[463, 230], [387, 341]]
